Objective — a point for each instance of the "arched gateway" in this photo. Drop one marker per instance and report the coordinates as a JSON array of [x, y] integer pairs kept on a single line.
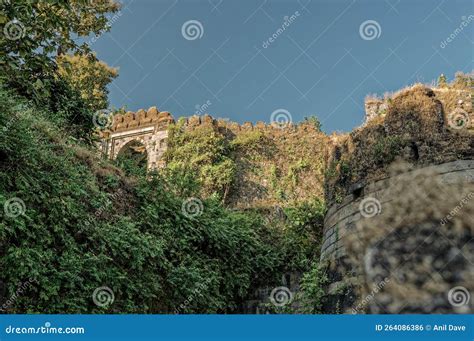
[[143, 132]]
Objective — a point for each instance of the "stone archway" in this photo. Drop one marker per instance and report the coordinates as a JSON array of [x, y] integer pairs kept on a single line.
[[150, 128], [133, 157]]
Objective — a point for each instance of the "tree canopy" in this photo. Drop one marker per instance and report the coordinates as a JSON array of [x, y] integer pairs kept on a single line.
[[35, 31], [88, 76]]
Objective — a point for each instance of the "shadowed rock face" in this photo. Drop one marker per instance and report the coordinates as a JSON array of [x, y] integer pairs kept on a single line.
[[420, 247]]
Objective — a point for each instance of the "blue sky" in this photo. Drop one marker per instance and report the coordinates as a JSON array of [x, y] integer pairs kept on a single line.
[[323, 63]]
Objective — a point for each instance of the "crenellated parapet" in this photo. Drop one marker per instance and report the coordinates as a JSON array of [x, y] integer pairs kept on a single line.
[[146, 128], [142, 118]]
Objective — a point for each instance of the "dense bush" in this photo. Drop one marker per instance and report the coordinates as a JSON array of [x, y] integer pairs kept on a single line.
[[85, 226], [312, 291], [72, 224], [201, 157]]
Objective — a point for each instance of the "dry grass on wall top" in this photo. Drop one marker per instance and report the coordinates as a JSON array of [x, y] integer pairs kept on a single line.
[[414, 128], [453, 99]]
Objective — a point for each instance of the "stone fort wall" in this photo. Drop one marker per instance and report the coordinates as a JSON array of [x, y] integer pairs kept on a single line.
[[360, 184], [341, 218], [149, 128]]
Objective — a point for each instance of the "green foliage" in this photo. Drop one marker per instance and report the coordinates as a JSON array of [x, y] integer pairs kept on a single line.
[[442, 82], [88, 76], [33, 33], [314, 121], [462, 81], [294, 170], [37, 30], [201, 156], [301, 234], [345, 170], [219, 247], [133, 165], [67, 109], [85, 226], [386, 149], [252, 142], [312, 289], [88, 224]]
